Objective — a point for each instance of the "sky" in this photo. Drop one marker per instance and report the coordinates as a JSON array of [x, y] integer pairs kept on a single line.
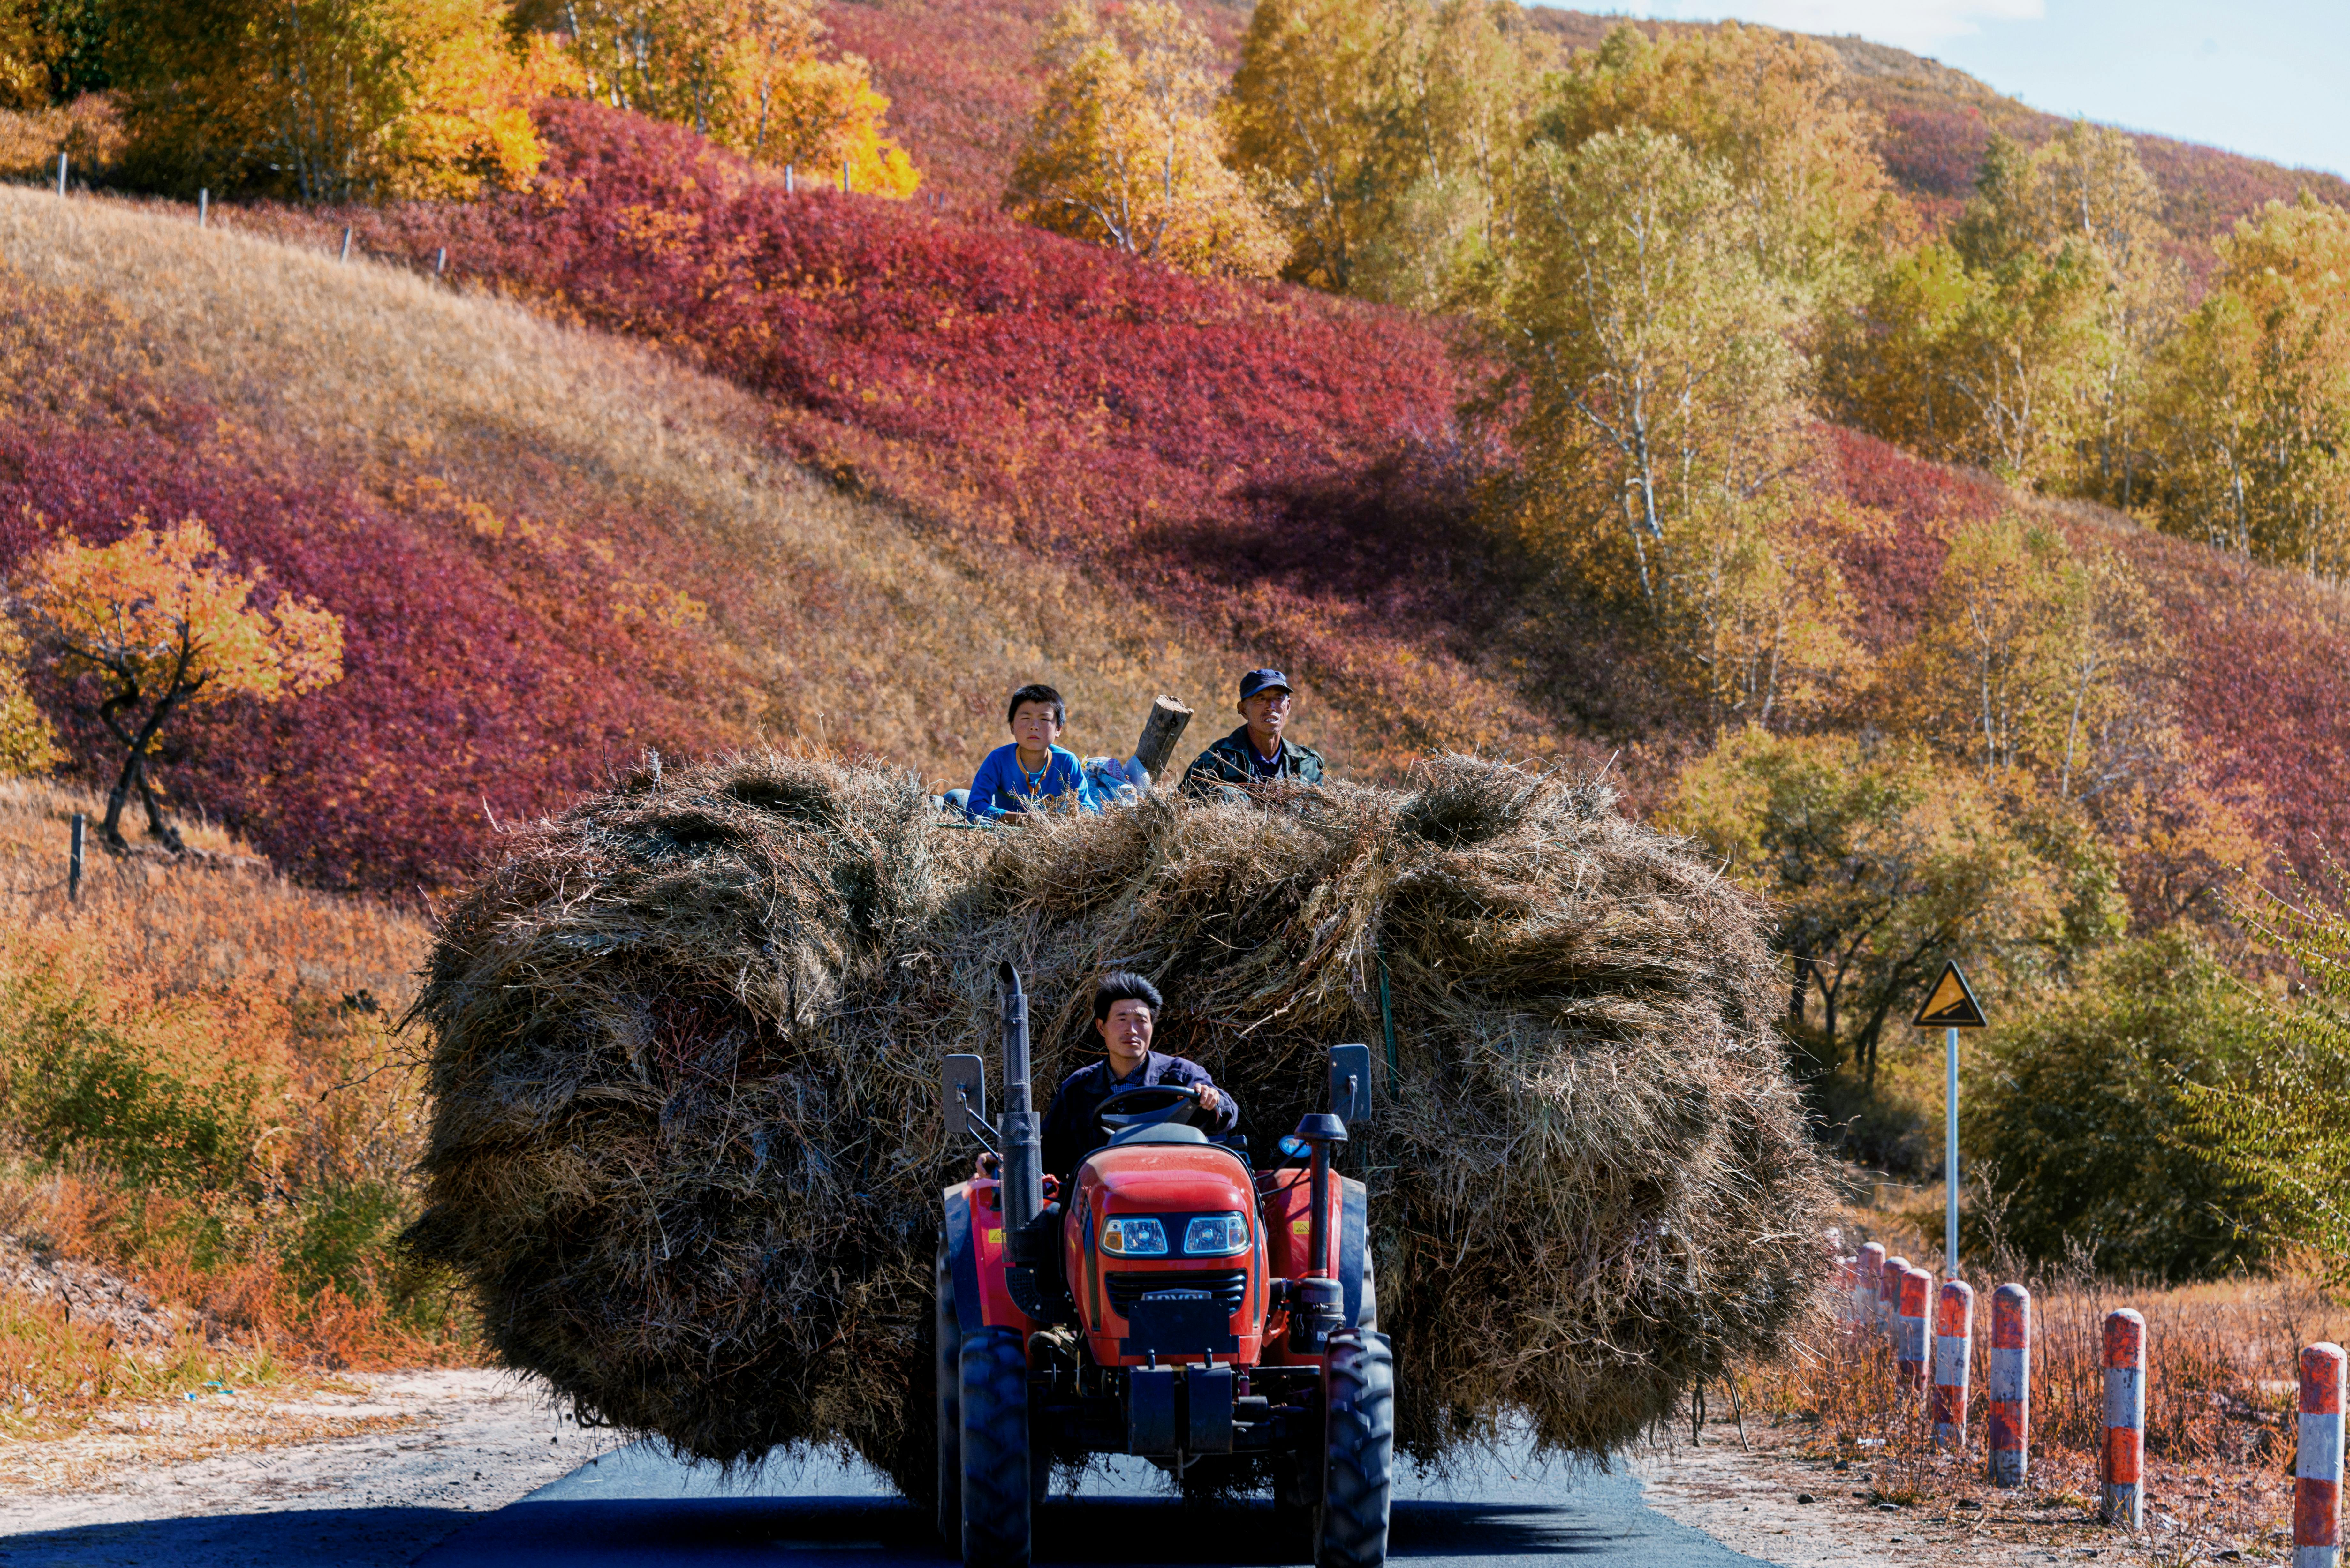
[[2268, 78]]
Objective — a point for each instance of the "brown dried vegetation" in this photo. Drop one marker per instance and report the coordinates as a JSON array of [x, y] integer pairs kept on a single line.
[[685, 1145]]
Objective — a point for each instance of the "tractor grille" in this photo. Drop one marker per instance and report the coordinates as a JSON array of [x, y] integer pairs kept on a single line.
[[1228, 1286]]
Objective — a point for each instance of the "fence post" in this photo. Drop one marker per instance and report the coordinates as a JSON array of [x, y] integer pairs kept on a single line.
[[787, 180], [204, 207], [1871, 1269], [844, 175], [2011, 1384], [1916, 1286], [1888, 1301], [73, 860], [346, 241], [2123, 1465], [61, 173], [441, 261], [2317, 1470], [1954, 1344]]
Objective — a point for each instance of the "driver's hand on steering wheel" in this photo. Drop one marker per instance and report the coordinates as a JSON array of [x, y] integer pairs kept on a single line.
[[1210, 1096]]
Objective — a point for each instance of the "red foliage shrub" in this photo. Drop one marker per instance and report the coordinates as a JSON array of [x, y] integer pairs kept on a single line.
[[2262, 664], [1892, 568], [1280, 467], [481, 674]]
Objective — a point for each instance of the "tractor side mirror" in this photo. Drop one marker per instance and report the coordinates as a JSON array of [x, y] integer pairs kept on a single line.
[[1350, 1083], [963, 1092]]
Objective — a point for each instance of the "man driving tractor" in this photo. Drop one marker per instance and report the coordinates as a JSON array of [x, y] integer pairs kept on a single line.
[[1126, 1010]]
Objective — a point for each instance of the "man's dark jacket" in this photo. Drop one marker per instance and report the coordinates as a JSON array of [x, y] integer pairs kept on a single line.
[[1073, 1127], [1231, 760]]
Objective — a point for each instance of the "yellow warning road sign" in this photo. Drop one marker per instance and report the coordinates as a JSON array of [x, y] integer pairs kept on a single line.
[[1952, 1004]]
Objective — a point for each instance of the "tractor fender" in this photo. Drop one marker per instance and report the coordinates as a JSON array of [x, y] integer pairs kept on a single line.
[[1353, 1225], [977, 1255], [1287, 1218]]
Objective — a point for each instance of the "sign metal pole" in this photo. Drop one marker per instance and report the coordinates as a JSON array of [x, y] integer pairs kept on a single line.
[[1950, 1156], [1951, 1006]]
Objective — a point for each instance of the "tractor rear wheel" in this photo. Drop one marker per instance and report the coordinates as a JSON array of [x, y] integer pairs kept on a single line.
[[946, 1364], [1350, 1525], [997, 1467]]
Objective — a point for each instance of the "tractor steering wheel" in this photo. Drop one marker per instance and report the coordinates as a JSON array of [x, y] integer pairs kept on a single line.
[[1182, 1100]]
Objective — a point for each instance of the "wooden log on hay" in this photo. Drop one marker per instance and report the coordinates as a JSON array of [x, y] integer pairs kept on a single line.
[[1160, 731], [686, 1149]]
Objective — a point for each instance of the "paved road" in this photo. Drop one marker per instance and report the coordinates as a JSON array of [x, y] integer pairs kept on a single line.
[[633, 1509]]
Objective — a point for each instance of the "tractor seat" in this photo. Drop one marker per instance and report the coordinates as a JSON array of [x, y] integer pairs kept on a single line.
[[1165, 1132]]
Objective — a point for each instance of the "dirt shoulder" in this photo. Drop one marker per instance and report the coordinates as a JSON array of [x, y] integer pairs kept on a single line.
[[1753, 1500], [381, 1465]]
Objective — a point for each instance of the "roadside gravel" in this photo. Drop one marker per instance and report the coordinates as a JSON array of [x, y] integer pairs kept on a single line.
[[370, 1469]]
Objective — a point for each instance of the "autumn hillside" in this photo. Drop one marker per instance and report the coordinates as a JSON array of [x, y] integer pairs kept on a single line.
[[551, 549], [961, 77], [1264, 464], [1029, 457]]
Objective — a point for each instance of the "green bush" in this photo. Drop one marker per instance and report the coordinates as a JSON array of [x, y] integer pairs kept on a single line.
[[81, 1087], [2086, 1117]]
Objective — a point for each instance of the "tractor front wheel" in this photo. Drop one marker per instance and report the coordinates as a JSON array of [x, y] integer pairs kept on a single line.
[[997, 1468], [1350, 1525], [946, 1368]]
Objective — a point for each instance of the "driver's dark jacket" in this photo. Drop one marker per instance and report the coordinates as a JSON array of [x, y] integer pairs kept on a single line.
[[1073, 1127]]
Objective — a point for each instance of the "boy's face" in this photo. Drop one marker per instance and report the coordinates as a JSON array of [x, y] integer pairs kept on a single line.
[[1034, 727], [1127, 1033]]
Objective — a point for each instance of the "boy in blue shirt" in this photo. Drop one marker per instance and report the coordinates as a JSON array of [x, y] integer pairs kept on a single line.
[[1016, 777]]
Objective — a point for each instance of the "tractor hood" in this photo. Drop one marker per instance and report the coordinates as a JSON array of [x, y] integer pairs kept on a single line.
[[1168, 1179]]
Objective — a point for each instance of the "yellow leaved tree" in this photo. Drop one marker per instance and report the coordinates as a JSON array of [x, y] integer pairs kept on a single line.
[[329, 100], [164, 622], [753, 75], [28, 745], [1126, 150]]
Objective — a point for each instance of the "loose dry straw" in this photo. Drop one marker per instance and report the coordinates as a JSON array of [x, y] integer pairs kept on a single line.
[[686, 1143]]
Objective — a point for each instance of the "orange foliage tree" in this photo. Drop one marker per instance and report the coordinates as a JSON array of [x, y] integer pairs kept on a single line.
[[329, 100], [1125, 150], [164, 621], [752, 75]]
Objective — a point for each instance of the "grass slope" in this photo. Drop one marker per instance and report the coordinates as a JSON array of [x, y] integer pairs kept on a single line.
[[552, 548]]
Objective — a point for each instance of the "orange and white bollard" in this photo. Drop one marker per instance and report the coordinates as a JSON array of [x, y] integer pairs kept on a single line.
[[2121, 1467], [1888, 1301], [2010, 1385], [1917, 1285], [2317, 1470], [1954, 1344], [1871, 1270]]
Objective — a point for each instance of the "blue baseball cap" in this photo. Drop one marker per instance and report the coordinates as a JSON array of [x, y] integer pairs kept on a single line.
[[1257, 680]]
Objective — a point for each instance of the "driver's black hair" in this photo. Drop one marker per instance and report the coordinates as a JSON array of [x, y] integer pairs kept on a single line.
[[1124, 985]]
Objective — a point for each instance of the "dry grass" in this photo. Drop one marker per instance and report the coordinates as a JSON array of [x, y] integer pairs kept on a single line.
[[2221, 1368], [218, 920], [863, 631], [58, 1376], [686, 1143], [200, 1087]]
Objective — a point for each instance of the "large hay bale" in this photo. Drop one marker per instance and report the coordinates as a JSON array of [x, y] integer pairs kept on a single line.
[[685, 1143]]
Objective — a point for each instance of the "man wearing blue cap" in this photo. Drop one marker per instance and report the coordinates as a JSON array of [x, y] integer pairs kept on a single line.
[[1255, 752]]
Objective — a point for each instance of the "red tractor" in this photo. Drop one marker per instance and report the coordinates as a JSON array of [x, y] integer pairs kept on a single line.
[[1172, 1302]]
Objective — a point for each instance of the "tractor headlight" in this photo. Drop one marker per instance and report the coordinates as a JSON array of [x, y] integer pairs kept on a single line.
[[1216, 1236], [1134, 1238]]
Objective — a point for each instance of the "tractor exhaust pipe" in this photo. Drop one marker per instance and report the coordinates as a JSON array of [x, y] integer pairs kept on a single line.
[[1023, 1155]]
